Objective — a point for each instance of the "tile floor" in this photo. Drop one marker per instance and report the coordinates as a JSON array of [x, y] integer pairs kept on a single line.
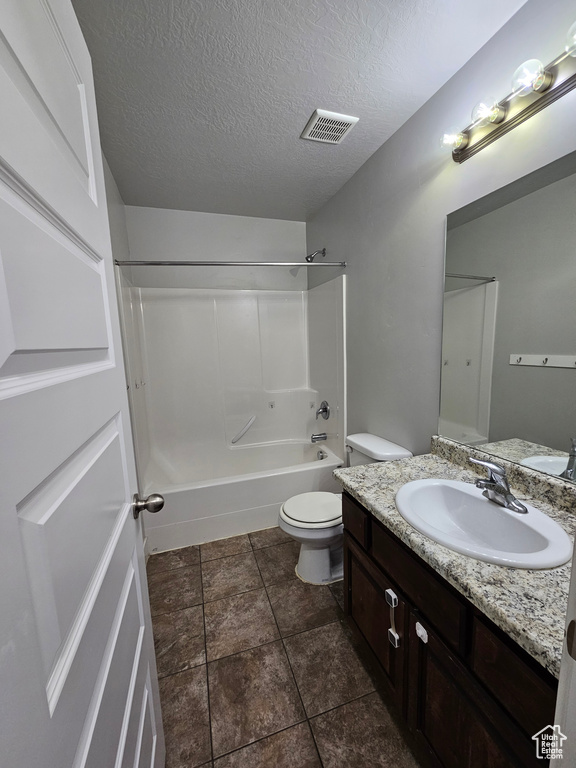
[[257, 669]]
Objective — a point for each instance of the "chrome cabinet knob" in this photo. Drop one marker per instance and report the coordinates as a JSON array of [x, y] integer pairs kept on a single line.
[[153, 503]]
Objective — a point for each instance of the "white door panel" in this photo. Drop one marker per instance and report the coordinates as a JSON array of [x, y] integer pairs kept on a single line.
[[146, 733], [47, 98], [139, 734], [85, 494], [77, 673]]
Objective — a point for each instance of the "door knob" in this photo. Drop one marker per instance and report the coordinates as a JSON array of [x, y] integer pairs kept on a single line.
[[153, 503]]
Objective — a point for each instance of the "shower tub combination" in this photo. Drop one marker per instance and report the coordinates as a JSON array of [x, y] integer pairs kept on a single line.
[[224, 505], [226, 385]]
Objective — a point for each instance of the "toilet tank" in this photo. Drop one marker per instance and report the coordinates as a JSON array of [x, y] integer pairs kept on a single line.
[[368, 449]]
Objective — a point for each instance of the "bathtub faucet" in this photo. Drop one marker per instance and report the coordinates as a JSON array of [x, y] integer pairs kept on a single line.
[[319, 436]]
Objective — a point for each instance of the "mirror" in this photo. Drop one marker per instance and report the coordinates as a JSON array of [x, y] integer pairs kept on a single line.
[[509, 340]]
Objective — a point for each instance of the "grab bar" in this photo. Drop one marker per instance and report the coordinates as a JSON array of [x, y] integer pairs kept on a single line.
[[244, 429]]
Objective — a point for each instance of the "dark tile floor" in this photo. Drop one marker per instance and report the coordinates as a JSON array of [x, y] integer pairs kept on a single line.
[[257, 669]]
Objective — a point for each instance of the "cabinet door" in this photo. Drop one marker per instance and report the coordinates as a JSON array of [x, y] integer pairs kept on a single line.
[[452, 716], [379, 613]]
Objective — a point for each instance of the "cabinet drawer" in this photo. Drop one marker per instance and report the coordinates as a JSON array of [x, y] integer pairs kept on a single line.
[[356, 520], [527, 693], [421, 586], [372, 614]]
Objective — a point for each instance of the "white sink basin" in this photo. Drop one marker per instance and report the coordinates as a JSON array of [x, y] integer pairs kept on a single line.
[[553, 465], [456, 515]]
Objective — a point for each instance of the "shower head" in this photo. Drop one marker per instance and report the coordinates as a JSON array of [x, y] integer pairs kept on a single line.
[[312, 256]]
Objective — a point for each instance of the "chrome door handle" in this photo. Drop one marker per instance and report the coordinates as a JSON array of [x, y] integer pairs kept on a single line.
[[153, 503], [393, 636]]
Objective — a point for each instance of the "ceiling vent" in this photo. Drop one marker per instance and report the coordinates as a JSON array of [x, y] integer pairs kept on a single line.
[[328, 127]]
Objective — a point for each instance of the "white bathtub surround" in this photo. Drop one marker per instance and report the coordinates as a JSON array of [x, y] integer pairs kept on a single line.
[[223, 354], [327, 356], [206, 364], [214, 360]]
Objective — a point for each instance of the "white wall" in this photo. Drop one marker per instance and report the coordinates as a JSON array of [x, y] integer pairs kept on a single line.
[[129, 308], [157, 234], [388, 222], [467, 361]]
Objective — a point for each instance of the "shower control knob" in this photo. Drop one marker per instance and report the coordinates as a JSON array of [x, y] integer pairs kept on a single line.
[[153, 503]]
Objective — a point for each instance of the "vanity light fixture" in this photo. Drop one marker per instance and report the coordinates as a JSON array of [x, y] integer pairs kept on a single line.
[[454, 139], [532, 82], [531, 76], [570, 47], [488, 111]]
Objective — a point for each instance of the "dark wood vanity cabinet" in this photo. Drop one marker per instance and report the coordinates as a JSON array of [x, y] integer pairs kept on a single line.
[[471, 697]]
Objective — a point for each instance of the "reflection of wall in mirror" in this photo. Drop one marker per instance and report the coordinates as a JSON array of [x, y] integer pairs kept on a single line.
[[467, 356], [529, 246]]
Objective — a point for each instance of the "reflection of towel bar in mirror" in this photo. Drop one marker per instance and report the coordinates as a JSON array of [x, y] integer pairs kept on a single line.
[[548, 361]]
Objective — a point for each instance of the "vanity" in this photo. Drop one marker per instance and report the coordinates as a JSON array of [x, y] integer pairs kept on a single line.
[[468, 650]]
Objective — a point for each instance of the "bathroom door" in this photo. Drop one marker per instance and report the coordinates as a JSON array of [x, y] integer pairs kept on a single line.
[[77, 672], [565, 715]]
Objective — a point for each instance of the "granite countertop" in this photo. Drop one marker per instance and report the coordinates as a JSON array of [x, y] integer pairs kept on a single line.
[[516, 450], [529, 605]]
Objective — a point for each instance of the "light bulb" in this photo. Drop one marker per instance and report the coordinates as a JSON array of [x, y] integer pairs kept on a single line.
[[453, 139], [530, 76], [488, 111], [571, 40]]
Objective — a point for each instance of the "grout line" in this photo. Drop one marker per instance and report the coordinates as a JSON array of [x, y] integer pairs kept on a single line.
[[174, 571], [266, 642], [344, 704], [181, 671], [234, 594], [263, 738], [242, 552], [294, 677], [310, 629], [223, 557], [166, 613], [206, 664], [246, 650], [306, 718]]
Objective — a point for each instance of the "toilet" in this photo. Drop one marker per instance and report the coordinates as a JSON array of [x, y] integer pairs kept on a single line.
[[315, 519]]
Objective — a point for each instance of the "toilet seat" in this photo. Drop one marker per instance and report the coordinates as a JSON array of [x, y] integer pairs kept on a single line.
[[317, 509]]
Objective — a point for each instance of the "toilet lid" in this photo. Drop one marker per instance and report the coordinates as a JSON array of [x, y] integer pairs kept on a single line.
[[314, 507]]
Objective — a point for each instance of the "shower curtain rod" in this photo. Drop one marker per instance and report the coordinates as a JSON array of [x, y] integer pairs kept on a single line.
[[127, 263], [471, 277]]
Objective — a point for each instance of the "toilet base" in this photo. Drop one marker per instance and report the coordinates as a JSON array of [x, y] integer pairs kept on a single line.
[[321, 557], [320, 565]]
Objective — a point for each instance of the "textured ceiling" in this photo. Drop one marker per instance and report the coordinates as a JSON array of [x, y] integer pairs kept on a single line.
[[202, 102]]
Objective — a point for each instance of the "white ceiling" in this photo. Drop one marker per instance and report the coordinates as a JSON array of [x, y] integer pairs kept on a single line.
[[202, 102]]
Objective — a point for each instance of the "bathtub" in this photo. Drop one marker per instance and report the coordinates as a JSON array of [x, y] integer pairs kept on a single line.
[[237, 498], [461, 432]]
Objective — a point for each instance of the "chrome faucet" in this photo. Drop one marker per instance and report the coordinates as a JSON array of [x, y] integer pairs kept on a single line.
[[569, 471], [319, 436], [496, 487], [324, 410]]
